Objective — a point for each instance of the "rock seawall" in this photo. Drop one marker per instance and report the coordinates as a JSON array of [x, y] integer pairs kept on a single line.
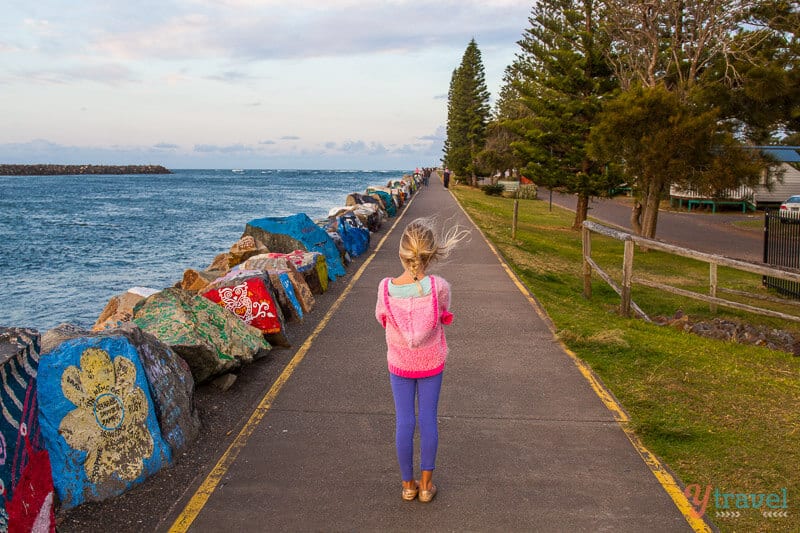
[[59, 170]]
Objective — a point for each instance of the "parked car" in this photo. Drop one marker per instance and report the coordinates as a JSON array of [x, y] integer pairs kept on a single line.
[[791, 206]]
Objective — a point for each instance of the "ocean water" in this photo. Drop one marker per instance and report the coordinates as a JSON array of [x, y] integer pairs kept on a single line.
[[69, 243]]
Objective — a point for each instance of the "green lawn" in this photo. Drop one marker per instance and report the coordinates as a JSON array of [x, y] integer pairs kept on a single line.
[[717, 413]]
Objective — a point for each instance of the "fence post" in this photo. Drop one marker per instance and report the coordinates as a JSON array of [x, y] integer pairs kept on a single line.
[[514, 220], [712, 285], [586, 238], [627, 274]]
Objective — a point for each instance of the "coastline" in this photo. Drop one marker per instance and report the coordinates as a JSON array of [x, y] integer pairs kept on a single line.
[[71, 170]]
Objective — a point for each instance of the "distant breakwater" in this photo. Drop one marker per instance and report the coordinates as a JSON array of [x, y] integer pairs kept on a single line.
[[63, 170]]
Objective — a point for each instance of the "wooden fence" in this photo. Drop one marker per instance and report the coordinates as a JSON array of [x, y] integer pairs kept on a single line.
[[714, 261]]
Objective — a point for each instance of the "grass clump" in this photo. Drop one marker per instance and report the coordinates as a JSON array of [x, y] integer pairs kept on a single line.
[[717, 413]]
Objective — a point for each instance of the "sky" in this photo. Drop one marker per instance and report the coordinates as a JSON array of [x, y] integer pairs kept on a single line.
[[323, 84]]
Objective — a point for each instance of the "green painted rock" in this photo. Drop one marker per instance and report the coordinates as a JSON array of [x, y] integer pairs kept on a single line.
[[211, 339]]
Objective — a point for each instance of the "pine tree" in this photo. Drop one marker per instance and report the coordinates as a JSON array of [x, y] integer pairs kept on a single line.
[[499, 154], [467, 114], [563, 77]]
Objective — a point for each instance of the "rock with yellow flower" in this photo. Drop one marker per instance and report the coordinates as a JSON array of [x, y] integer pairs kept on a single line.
[[98, 419]]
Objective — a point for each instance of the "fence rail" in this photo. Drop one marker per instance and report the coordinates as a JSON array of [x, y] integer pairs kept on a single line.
[[713, 260]]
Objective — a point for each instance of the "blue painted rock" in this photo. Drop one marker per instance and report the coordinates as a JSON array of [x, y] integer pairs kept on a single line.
[[287, 298], [98, 419], [296, 232], [168, 375]]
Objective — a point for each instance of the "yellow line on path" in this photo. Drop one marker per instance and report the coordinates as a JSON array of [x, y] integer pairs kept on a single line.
[[661, 473], [206, 489]]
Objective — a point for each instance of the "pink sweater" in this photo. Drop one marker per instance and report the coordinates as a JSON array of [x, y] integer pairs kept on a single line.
[[417, 347]]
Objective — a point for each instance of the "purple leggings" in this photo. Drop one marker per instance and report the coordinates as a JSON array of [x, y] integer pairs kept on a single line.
[[405, 390]]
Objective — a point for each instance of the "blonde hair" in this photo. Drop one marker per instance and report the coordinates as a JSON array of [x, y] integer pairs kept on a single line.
[[420, 245]]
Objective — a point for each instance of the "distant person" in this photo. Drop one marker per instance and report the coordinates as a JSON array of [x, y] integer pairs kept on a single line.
[[446, 177], [413, 308]]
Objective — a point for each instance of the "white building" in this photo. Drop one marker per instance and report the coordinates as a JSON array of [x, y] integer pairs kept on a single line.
[[749, 197]]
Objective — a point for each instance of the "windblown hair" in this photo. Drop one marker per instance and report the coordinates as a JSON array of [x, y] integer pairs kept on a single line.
[[420, 245]]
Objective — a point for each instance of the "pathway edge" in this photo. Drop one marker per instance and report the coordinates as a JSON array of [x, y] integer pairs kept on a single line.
[[659, 470], [201, 495]]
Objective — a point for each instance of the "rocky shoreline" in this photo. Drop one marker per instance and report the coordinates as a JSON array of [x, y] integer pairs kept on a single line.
[[64, 170]]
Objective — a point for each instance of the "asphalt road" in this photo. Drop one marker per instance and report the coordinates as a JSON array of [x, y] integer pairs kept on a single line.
[[706, 232], [526, 444]]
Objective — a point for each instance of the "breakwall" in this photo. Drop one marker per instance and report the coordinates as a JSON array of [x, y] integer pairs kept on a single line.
[[59, 170]]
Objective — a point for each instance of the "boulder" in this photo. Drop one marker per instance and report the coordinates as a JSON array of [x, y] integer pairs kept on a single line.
[[311, 265], [198, 280], [267, 263], [287, 299], [119, 308], [211, 339], [98, 418], [168, 376], [245, 248], [386, 198], [27, 495], [297, 232], [355, 235], [359, 199], [251, 297], [221, 263]]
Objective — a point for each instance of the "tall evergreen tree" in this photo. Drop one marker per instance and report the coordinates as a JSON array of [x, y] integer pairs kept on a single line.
[[563, 78], [467, 114], [499, 154]]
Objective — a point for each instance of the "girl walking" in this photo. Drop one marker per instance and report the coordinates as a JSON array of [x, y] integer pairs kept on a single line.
[[412, 308]]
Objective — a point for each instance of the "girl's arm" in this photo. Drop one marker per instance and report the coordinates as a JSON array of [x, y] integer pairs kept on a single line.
[[380, 308], [443, 290]]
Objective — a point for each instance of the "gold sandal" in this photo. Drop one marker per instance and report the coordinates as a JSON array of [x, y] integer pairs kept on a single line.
[[426, 496], [409, 494]]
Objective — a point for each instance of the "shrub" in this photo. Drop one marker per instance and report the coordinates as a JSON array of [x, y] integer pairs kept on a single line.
[[493, 190], [527, 192]]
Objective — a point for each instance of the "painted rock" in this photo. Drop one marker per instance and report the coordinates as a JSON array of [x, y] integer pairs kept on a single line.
[[211, 339], [27, 492]]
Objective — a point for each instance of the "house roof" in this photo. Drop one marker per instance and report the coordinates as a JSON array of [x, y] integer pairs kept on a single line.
[[784, 154]]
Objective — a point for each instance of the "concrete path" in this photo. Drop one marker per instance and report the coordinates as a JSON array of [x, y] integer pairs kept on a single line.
[[525, 442], [711, 233]]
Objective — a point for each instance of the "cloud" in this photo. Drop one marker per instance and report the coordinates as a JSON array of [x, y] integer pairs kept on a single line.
[[166, 146], [266, 142], [290, 138], [442, 96], [232, 76], [228, 149], [281, 30], [438, 136], [108, 73], [372, 148]]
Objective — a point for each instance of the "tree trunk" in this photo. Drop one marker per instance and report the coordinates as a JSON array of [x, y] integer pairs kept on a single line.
[[636, 217], [581, 210], [650, 213]]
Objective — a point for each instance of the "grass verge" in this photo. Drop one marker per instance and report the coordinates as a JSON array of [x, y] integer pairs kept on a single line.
[[719, 414]]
